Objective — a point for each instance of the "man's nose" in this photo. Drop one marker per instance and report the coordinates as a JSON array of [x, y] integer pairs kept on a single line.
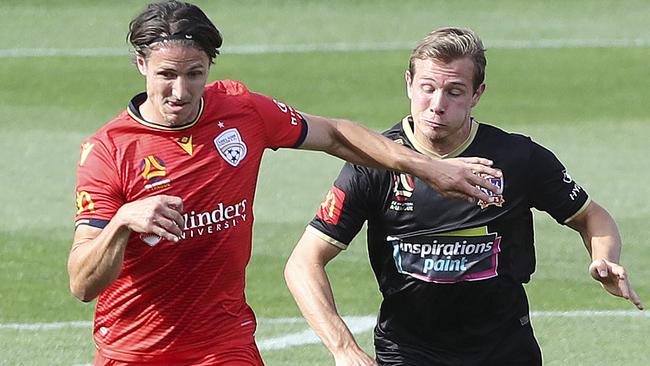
[[179, 88], [438, 102]]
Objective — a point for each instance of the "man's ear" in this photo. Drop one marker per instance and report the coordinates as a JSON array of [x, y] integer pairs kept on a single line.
[[141, 63], [409, 82], [477, 95]]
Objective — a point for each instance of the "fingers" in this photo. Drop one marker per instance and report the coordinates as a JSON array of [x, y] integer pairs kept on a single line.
[[484, 183], [168, 219], [635, 299], [166, 228], [175, 217], [160, 215], [173, 202], [482, 166], [614, 279], [468, 189], [475, 160]]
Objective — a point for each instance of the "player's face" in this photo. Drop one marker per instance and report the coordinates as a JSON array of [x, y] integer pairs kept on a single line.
[[442, 98], [176, 76]]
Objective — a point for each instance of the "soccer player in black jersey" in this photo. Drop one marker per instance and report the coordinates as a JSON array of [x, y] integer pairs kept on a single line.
[[450, 271]]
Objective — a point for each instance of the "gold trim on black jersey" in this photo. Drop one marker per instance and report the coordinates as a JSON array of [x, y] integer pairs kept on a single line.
[[134, 112], [580, 210], [410, 134], [326, 237]]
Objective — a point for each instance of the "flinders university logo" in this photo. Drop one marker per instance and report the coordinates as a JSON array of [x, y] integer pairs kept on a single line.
[[153, 169], [231, 147]]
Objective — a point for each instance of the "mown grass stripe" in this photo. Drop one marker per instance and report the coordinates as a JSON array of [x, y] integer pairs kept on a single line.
[[356, 320], [333, 47]]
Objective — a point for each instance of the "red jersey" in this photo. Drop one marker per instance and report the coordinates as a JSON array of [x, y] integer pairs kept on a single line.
[[178, 300]]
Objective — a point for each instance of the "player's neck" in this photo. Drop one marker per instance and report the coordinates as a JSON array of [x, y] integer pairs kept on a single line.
[[447, 144], [151, 113]]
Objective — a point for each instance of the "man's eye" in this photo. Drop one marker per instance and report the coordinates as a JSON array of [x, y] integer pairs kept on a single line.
[[166, 74]]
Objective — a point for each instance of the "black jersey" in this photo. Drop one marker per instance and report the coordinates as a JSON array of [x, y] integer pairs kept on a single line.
[[450, 271]]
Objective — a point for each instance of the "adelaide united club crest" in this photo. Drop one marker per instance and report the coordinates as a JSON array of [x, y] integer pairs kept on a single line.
[[231, 146], [499, 197]]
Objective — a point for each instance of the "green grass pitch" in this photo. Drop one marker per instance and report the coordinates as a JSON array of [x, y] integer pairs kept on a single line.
[[587, 104]]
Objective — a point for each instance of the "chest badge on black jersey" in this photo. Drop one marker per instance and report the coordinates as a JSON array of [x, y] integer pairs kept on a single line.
[[403, 188], [497, 182], [231, 146]]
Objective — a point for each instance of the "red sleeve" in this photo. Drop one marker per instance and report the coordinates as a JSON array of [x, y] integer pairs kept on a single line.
[[98, 186], [284, 126]]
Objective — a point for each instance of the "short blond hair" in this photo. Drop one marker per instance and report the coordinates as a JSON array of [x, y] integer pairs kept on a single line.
[[449, 44]]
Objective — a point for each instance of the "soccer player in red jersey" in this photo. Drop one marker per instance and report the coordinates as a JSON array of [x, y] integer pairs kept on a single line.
[[165, 194]]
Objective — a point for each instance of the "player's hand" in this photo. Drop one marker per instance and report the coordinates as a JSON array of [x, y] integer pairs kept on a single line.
[[355, 357], [459, 177], [159, 215], [614, 280]]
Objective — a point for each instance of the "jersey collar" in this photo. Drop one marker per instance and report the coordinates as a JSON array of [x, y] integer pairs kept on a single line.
[[134, 111], [407, 126]]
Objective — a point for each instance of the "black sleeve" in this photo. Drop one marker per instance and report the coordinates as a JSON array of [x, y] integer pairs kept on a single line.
[[345, 207], [553, 189]]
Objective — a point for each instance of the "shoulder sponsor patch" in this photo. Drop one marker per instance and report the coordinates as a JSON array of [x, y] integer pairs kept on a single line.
[[84, 203], [231, 146], [331, 207]]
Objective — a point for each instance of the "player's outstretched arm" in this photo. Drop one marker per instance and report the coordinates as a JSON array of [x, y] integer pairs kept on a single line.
[[603, 241], [359, 145], [308, 282], [96, 256]]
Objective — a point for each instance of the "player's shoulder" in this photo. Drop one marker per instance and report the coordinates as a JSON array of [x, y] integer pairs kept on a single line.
[[396, 133], [231, 88], [108, 136], [514, 145], [499, 135]]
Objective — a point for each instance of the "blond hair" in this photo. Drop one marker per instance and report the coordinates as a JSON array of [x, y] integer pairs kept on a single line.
[[449, 44]]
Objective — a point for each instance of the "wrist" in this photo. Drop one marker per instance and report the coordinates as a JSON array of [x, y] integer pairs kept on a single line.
[[121, 223]]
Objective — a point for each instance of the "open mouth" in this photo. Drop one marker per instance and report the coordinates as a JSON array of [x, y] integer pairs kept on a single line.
[[175, 105]]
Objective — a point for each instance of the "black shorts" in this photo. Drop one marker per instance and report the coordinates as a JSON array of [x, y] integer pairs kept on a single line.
[[516, 346]]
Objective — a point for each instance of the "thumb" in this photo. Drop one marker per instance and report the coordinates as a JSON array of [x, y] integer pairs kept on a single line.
[[598, 268]]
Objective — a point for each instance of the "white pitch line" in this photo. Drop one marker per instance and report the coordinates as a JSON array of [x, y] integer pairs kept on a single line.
[[354, 319], [591, 314], [333, 47], [46, 326], [357, 324]]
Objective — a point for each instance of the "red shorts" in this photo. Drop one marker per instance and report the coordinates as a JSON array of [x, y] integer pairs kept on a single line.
[[241, 355]]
